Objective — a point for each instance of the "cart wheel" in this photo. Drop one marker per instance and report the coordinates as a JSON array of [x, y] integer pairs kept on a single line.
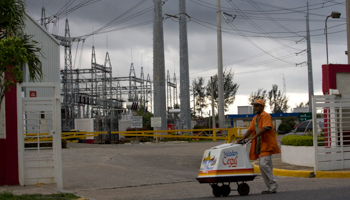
[[216, 190], [243, 189], [225, 190]]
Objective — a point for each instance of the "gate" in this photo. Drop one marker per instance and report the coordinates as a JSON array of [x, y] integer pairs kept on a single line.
[[39, 133], [331, 125]]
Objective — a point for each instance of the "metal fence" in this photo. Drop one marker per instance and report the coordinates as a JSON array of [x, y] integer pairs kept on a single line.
[[331, 132], [227, 134]]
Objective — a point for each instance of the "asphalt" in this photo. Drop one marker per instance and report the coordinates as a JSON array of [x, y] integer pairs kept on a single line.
[[74, 179]]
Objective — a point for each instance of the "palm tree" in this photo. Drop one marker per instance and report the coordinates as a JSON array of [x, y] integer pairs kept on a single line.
[[16, 47]]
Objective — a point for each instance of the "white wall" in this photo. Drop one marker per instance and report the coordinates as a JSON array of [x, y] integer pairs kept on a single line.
[[298, 155], [343, 82]]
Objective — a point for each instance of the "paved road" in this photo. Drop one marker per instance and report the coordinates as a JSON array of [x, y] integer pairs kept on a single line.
[[168, 171]]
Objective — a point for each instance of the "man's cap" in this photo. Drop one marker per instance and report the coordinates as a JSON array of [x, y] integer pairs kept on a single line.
[[259, 101]]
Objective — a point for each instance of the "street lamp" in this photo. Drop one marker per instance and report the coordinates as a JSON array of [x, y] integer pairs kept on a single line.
[[334, 14]]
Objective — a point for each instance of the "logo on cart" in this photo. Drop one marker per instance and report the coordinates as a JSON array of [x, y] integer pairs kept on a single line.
[[230, 158], [209, 162]]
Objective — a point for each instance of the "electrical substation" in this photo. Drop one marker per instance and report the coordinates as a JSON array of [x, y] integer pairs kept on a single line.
[[94, 93]]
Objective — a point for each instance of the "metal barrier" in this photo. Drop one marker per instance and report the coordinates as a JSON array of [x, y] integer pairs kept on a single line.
[[227, 134]]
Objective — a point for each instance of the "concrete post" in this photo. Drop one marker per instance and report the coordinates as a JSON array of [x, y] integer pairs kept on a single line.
[[220, 73], [184, 68], [309, 60], [158, 65]]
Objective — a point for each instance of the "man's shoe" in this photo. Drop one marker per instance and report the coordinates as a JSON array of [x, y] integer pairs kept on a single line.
[[268, 192]]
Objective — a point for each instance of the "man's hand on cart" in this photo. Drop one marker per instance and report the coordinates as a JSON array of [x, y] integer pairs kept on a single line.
[[240, 140], [245, 140]]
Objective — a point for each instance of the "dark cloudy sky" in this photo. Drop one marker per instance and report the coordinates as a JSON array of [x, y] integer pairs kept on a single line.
[[259, 45]]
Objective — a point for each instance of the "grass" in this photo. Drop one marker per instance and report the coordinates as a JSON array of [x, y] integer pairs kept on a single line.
[[57, 196]]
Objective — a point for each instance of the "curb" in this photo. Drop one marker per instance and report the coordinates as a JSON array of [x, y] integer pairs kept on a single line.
[[329, 174], [305, 173]]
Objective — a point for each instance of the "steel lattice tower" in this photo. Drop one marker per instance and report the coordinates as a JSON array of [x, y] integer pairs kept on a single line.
[[149, 93], [175, 91], [68, 102], [142, 88], [168, 94], [132, 84]]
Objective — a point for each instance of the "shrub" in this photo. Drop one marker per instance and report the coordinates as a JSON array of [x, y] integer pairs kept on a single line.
[[187, 139], [284, 127], [289, 120], [298, 140], [199, 127]]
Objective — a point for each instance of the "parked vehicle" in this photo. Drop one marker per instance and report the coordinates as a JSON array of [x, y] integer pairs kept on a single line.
[[304, 127]]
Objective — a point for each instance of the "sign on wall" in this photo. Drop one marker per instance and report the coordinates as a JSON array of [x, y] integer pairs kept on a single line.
[[136, 122], [156, 122], [32, 93]]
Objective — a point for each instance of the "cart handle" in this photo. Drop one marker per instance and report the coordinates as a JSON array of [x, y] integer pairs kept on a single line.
[[244, 142], [247, 143]]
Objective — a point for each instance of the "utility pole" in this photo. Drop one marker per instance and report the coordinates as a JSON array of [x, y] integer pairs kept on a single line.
[[184, 68], [309, 60], [347, 4], [212, 101], [220, 73], [158, 65]]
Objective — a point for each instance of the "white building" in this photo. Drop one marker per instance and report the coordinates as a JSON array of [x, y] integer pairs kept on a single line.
[[301, 110], [242, 110], [51, 53]]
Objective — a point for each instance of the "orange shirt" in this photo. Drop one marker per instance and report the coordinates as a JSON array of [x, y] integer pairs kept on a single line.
[[268, 138]]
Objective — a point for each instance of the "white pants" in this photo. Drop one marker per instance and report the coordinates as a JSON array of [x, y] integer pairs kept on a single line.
[[266, 168]]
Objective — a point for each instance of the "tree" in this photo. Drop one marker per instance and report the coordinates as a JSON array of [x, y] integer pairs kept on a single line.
[[199, 94], [302, 105], [16, 47], [230, 89], [260, 94], [277, 100]]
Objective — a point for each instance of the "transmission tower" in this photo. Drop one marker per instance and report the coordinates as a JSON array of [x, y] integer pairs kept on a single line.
[[119, 95], [142, 85], [132, 84], [168, 95], [149, 93], [68, 101], [94, 89], [175, 91]]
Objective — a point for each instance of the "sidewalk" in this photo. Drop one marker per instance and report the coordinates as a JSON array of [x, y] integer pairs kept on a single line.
[[283, 169], [44, 189]]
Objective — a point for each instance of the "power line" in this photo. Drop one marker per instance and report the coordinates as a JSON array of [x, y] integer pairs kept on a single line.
[[277, 11]]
